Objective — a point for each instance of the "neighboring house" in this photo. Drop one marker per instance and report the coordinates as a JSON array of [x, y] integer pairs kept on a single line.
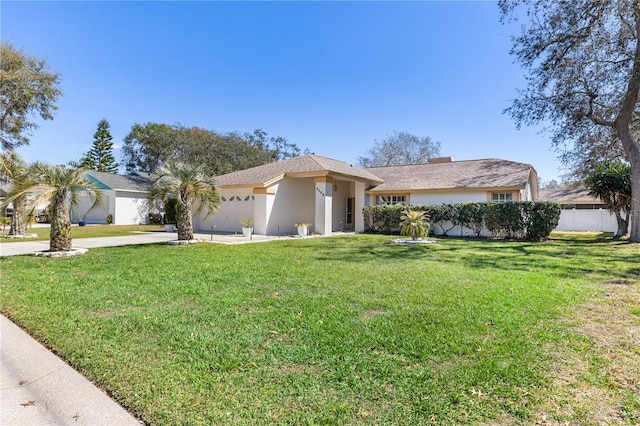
[[125, 198], [330, 194], [580, 211]]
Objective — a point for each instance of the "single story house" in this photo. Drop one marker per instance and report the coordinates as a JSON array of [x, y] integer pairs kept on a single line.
[[125, 199], [330, 194], [580, 211]]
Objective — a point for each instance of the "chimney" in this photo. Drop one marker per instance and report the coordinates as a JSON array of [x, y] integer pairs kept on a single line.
[[439, 160]]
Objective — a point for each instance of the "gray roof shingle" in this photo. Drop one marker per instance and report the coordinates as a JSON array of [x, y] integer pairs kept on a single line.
[[568, 196], [309, 163], [487, 173], [132, 182]]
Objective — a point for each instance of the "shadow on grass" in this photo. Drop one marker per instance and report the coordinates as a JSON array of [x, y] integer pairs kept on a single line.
[[564, 258]]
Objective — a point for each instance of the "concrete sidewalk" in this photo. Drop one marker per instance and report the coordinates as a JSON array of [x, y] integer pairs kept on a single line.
[[37, 388]]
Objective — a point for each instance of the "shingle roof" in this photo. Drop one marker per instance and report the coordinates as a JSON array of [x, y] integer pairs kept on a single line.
[[568, 196], [123, 182], [309, 163], [488, 173]]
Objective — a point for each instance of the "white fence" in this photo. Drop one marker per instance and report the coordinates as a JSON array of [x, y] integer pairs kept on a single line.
[[587, 220]]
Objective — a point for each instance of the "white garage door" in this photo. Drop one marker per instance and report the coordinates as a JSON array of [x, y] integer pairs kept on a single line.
[[234, 205], [131, 208]]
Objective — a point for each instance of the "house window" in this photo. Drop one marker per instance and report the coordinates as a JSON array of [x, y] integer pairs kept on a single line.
[[501, 197], [389, 200]]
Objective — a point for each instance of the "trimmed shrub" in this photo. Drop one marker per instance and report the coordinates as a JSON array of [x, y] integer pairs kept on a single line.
[[171, 211], [505, 220], [532, 221], [540, 219], [471, 216]]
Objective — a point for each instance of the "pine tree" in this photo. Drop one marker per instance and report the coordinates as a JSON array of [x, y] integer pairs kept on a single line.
[[100, 156]]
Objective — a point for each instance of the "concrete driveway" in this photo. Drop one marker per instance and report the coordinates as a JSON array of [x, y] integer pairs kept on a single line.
[[30, 247]]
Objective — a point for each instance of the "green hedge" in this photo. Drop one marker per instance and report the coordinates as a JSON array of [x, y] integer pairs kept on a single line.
[[532, 221]]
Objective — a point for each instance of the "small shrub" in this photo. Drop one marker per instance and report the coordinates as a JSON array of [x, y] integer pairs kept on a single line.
[[413, 224], [246, 223], [155, 219]]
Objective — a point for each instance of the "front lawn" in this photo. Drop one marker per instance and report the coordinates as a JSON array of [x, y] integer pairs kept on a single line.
[[347, 330]]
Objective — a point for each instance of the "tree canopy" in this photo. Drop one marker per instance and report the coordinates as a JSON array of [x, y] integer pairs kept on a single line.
[[583, 63], [400, 148], [149, 145], [27, 88], [100, 156]]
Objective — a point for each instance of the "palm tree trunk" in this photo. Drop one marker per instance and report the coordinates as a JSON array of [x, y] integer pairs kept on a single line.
[[60, 236], [18, 225], [185, 222], [623, 225]]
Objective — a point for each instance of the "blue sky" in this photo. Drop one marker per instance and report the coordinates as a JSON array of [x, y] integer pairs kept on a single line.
[[329, 76]]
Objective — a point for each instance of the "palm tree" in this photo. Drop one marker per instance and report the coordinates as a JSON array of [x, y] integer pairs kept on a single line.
[[14, 170], [611, 183], [193, 189], [60, 188], [414, 224]]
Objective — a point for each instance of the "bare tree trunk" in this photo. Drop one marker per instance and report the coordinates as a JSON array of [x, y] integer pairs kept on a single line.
[[60, 236], [185, 221], [634, 217], [631, 146], [632, 149], [18, 225]]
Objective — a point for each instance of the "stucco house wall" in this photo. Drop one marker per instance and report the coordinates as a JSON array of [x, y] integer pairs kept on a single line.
[[293, 202]]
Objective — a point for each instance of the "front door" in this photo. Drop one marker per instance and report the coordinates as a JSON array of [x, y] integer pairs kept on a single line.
[[351, 202]]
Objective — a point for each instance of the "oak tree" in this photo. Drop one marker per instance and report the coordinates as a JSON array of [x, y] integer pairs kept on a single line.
[[27, 87], [398, 149], [583, 63], [149, 145]]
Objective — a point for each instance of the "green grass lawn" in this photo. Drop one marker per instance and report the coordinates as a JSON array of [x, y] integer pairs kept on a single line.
[[90, 231], [348, 330]]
